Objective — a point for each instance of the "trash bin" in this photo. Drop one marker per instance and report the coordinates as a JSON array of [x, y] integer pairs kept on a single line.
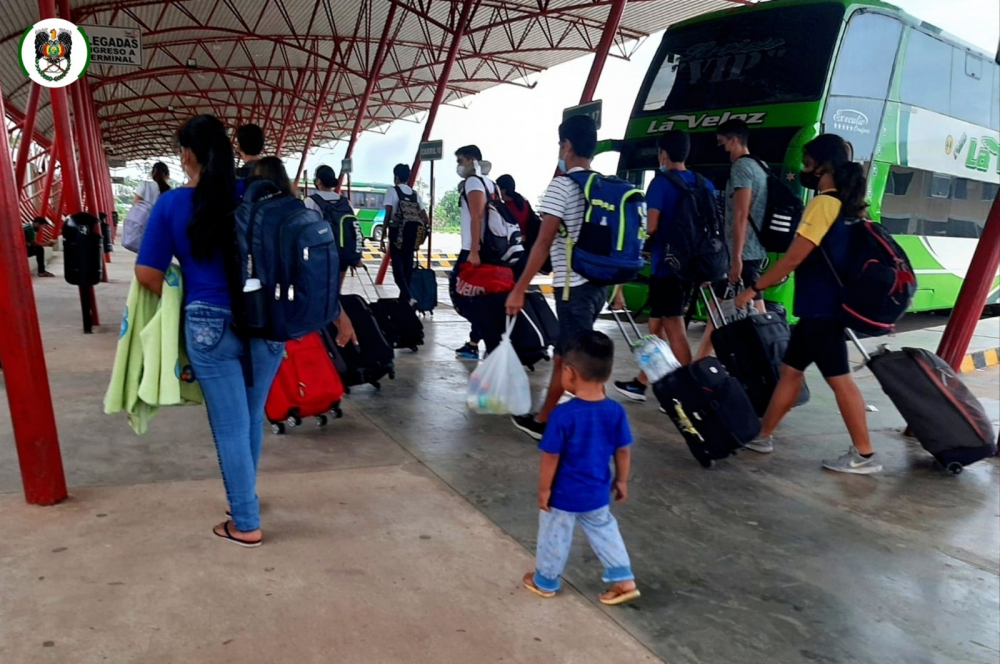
[[83, 250]]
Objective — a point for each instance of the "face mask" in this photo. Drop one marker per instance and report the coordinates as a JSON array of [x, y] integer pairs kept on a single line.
[[562, 165], [664, 169], [463, 171], [809, 179]]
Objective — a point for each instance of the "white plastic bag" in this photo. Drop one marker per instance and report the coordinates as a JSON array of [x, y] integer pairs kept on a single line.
[[499, 385], [654, 357]]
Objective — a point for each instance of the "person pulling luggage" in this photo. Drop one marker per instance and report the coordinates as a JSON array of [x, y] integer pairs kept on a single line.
[[819, 336]]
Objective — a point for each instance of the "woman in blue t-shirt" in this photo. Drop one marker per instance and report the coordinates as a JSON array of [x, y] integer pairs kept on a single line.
[[819, 337], [194, 224]]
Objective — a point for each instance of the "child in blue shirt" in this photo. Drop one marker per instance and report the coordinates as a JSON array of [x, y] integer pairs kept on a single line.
[[575, 483]]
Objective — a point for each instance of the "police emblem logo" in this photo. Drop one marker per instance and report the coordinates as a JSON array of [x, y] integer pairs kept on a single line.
[[54, 53]]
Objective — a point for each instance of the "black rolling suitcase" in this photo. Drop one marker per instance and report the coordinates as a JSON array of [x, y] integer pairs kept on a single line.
[[400, 324], [752, 349], [709, 408], [535, 330], [424, 289], [944, 415], [372, 358]]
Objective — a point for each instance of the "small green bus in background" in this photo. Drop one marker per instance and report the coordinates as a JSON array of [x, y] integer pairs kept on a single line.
[[921, 109], [369, 204]]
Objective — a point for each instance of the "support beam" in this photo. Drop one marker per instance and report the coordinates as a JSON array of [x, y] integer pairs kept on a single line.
[[45, 203], [27, 131], [975, 289], [380, 53], [603, 48], [439, 94], [324, 91], [22, 356], [292, 106]]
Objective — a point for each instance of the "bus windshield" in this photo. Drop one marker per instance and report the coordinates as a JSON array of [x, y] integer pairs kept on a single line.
[[744, 59]]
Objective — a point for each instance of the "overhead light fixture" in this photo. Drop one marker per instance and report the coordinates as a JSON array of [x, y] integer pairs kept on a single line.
[[192, 63], [170, 109]]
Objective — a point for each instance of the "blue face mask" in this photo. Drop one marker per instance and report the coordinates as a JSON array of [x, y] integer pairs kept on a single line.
[[562, 165], [664, 169]]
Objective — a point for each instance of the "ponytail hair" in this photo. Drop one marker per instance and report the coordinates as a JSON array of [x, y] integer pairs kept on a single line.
[[160, 176], [833, 154], [211, 229], [851, 189]]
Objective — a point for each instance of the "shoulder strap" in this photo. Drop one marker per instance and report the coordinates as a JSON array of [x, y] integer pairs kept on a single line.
[[319, 200], [677, 180], [760, 162]]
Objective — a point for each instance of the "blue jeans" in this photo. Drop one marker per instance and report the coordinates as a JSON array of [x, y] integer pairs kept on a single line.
[[555, 537], [235, 411]]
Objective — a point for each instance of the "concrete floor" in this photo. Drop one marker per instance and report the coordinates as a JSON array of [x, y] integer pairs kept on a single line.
[[763, 559]]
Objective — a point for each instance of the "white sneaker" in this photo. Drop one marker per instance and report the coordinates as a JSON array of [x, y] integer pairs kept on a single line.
[[762, 445], [852, 462]]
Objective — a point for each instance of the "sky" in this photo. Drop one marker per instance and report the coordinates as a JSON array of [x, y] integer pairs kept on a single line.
[[495, 119]]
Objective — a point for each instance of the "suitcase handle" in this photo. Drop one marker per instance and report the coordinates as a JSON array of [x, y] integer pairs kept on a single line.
[[362, 282], [712, 312], [628, 316]]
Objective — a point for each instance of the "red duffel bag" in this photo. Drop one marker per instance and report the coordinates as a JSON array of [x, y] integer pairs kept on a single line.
[[483, 280]]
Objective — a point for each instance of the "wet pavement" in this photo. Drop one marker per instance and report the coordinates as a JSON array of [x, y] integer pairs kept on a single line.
[[762, 559]]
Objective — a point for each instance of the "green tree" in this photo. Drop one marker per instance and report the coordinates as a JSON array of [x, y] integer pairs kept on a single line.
[[447, 218]]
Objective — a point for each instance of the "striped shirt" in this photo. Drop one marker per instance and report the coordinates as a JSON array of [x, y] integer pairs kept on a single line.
[[564, 199]]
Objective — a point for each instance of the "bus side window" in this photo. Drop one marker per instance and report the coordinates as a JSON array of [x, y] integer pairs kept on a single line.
[[919, 202], [926, 80], [867, 54], [971, 87]]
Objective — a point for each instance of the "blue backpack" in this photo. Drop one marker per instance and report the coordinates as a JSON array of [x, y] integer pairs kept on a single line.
[[292, 251], [609, 248]]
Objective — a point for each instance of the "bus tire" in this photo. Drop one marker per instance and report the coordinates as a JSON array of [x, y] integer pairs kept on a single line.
[[377, 233]]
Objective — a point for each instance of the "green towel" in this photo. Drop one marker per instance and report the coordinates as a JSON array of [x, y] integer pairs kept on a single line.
[[151, 368]]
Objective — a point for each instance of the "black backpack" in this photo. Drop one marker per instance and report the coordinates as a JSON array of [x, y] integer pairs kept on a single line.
[[409, 219], [781, 215], [531, 232], [694, 243], [876, 279], [501, 242], [346, 228]]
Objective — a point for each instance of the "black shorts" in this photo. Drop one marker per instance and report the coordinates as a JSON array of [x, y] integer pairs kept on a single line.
[[819, 340], [668, 296], [578, 314], [751, 273]]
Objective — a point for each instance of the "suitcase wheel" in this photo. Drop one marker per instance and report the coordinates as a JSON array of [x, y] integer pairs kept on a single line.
[[337, 411], [322, 420], [293, 421], [392, 375], [414, 348], [278, 428], [707, 463], [954, 468], [377, 385]]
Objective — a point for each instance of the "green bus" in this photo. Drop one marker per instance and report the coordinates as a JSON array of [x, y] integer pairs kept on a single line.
[[921, 109], [369, 203]]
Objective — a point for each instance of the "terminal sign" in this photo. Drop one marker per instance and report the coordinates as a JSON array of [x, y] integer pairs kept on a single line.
[[431, 150], [114, 46], [346, 166], [591, 109]]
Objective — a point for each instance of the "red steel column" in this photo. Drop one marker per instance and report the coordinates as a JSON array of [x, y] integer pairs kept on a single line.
[[69, 195], [27, 132], [439, 95], [975, 289], [45, 204], [603, 48], [21, 354], [380, 52], [296, 91], [324, 90], [83, 139]]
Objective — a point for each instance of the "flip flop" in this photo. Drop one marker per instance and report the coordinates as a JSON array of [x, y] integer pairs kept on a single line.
[[529, 583], [620, 597], [228, 536]]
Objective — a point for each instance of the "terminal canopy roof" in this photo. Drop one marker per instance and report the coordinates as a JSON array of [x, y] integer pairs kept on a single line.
[[280, 62]]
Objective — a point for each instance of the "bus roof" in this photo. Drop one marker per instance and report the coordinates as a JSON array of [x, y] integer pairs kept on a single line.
[[369, 185], [908, 19]]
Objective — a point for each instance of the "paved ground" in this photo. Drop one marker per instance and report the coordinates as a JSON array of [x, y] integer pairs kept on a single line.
[[764, 559]]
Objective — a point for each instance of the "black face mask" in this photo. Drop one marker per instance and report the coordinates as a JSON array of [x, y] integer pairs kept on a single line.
[[809, 179]]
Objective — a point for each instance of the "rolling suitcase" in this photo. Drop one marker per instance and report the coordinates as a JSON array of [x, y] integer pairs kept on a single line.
[[944, 415], [307, 385], [709, 408], [535, 330], [752, 349], [372, 358], [424, 289], [400, 324]]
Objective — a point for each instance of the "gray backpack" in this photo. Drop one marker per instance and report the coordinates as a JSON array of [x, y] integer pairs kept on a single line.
[[135, 225]]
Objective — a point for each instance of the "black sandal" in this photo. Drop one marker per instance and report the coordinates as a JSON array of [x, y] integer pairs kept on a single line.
[[235, 540]]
